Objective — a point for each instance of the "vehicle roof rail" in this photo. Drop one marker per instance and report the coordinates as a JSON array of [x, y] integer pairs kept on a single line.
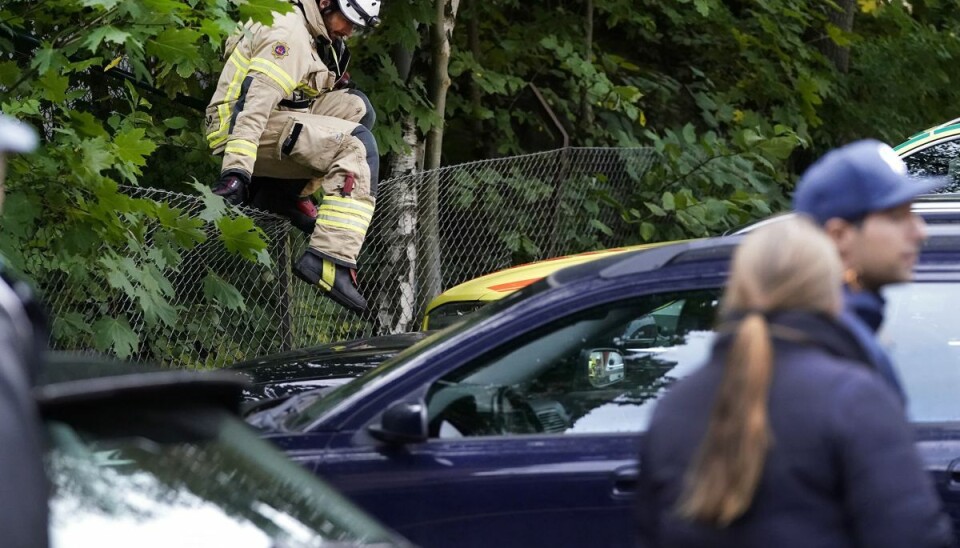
[[707, 249]]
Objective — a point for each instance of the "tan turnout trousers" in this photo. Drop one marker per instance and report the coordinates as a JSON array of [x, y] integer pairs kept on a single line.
[[325, 152]]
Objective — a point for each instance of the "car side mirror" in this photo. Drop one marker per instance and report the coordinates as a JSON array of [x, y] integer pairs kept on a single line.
[[604, 366], [402, 422]]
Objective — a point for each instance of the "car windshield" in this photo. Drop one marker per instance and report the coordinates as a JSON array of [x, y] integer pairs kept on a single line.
[[193, 477], [308, 413]]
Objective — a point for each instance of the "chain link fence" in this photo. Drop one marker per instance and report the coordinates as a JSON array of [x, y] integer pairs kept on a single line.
[[431, 231]]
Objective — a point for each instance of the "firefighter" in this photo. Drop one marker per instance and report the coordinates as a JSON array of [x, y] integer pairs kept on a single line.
[[283, 110]]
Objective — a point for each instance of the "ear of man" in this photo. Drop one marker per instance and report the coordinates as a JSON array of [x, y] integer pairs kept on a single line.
[[845, 237]]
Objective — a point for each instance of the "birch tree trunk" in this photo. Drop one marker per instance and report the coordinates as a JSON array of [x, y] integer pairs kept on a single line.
[[397, 307], [396, 304], [439, 83]]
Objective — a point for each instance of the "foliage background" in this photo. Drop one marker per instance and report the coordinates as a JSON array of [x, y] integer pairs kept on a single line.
[[737, 97]]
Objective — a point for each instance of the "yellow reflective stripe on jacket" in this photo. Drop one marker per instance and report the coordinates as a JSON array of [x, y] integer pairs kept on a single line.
[[346, 225], [349, 203], [275, 73], [242, 147], [242, 65]]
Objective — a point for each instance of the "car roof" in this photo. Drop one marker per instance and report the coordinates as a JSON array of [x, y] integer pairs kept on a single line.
[[927, 137], [496, 285], [76, 379], [941, 238]]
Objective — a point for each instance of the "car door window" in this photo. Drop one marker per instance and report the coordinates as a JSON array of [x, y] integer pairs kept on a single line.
[[938, 160], [597, 371], [923, 338]]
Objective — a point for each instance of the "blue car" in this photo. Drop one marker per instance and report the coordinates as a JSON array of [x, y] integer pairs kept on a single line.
[[520, 426]]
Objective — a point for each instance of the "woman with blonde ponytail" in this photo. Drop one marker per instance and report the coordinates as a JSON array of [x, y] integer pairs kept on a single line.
[[781, 439]]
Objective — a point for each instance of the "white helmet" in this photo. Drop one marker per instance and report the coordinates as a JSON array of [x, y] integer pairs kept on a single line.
[[363, 13], [15, 136]]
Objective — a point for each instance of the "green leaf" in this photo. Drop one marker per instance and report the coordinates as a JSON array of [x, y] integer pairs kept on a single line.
[[155, 308], [120, 271], [601, 227], [21, 210], [70, 325], [647, 230], [47, 58], [94, 155], [133, 147], [702, 7], [175, 45], [217, 290], [54, 87], [85, 124], [112, 333], [240, 236], [655, 209], [9, 73], [104, 4], [838, 35], [187, 231], [779, 148], [669, 203], [214, 208], [105, 34], [261, 11], [177, 122]]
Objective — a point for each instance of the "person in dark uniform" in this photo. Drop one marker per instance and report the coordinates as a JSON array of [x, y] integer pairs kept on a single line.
[[23, 336]]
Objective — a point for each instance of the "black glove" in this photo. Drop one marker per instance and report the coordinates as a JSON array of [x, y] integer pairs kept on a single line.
[[232, 186]]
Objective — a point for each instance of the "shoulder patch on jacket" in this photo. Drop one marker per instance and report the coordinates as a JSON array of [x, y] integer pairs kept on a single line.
[[280, 49]]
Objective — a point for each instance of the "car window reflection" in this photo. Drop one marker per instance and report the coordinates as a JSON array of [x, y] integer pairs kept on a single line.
[[218, 485], [923, 338], [601, 371], [938, 160]]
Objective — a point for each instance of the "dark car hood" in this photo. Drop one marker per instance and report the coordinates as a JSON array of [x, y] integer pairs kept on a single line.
[[319, 367]]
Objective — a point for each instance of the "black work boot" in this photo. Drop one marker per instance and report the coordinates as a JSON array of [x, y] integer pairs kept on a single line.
[[336, 281]]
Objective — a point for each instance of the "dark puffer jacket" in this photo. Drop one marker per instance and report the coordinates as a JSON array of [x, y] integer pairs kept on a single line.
[[23, 484], [842, 471]]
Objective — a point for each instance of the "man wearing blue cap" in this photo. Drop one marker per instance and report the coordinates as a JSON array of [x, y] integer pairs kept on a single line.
[[23, 488], [861, 195]]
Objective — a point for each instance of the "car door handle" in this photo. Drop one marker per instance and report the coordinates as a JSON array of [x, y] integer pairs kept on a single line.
[[625, 480]]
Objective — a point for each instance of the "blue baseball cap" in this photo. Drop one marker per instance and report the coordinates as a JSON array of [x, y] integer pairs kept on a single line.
[[855, 180], [15, 136]]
